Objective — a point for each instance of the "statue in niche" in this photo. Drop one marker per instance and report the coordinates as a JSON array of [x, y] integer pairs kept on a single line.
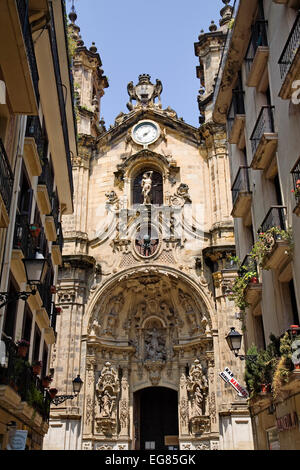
[[114, 313], [154, 345], [146, 186], [197, 385], [106, 404], [189, 310], [198, 401]]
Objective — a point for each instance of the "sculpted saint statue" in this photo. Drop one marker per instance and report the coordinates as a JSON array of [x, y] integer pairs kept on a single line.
[[146, 186], [106, 405]]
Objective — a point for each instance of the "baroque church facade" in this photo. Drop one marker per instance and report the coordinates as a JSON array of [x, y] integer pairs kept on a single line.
[[145, 274]]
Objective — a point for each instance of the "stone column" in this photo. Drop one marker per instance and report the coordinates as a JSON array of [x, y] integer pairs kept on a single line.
[[183, 404]]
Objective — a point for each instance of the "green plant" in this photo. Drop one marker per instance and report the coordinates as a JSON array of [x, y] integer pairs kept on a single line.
[[284, 365], [35, 398], [261, 371], [265, 243], [239, 286]]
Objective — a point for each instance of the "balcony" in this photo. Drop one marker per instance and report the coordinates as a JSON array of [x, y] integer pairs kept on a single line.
[[274, 231], [264, 141], [57, 247], [289, 61], [33, 146], [23, 247], [242, 196], [51, 220], [6, 187], [45, 188], [21, 390], [296, 183], [253, 291], [257, 56], [236, 119], [17, 57]]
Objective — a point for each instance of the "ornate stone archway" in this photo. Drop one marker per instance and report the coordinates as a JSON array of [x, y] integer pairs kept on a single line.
[[148, 327]]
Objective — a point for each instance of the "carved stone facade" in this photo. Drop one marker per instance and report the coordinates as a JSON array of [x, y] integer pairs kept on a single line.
[[139, 307]]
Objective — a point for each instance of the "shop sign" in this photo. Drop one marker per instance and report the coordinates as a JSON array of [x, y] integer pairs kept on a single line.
[[287, 422], [228, 377]]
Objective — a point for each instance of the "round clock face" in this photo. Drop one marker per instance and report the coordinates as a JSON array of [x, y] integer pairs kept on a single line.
[[145, 132]]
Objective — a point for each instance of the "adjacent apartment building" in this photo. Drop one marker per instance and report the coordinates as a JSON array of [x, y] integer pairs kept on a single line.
[[37, 139], [257, 96]]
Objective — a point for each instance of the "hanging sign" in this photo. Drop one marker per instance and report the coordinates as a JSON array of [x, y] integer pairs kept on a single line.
[[228, 377]]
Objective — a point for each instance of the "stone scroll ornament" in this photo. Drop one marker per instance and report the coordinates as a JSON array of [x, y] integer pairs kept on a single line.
[[107, 391]]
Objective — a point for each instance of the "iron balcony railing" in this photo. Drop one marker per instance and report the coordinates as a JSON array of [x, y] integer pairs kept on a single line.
[[33, 129], [24, 20], [47, 177], [18, 374], [296, 180], [46, 296], [60, 239], [55, 209], [276, 217], [236, 107], [258, 38], [6, 178], [290, 49], [248, 264], [264, 124], [22, 236], [241, 183], [60, 94]]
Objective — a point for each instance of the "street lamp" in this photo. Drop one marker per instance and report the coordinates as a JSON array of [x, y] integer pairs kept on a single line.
[[35, 270], [234, 341], [77, 384]]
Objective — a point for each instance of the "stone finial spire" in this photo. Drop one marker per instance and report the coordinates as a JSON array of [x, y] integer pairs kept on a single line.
[[226, 13]]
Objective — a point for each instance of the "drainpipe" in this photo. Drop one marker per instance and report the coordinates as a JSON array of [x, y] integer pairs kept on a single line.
[[12, 214]]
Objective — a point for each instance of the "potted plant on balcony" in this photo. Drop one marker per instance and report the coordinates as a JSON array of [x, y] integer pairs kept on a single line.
[[53, 289], [267, 241], [37, 367], [46, 381], [52, 392], [34, 230], [23, 347], [296, 191]]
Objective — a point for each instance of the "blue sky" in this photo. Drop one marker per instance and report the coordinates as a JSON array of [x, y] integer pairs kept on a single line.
[[155, 37]]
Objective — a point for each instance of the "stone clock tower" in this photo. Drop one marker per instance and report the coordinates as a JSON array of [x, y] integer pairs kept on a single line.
[[143, 285]]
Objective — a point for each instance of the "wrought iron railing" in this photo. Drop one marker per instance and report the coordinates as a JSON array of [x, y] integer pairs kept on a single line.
[[258, 38], [24, 20], [60, 239], [290, 49], [241, 183], [55, 209], [248, 264], [47, 177], [46, 294], [264, 124], [17, 373], [33, 129], [60, 93], [6, 178], [276, 217], [236, 107], [22, 236], [296, 180]]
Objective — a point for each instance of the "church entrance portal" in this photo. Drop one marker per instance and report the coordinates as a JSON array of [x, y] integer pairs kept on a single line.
[[156, 419]]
